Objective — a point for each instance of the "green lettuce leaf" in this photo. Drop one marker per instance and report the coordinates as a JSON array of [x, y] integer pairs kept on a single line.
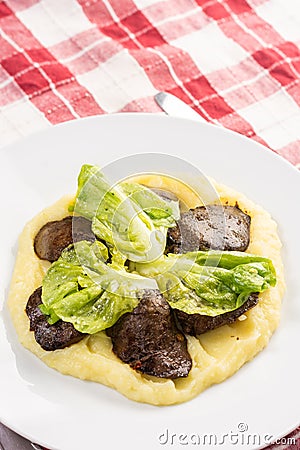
[[161, 212], [209, 283], [82, 289], [129, 217]]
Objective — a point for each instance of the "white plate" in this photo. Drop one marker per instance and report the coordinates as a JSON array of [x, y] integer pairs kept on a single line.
[[68, 414]]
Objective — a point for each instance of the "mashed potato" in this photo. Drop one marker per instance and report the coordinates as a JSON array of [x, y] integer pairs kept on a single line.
[[216, 355]]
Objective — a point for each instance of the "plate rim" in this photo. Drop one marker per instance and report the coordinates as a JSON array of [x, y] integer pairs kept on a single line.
[[109, 116]]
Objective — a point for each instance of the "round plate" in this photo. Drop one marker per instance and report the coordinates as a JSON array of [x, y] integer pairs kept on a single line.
[[65, 413]]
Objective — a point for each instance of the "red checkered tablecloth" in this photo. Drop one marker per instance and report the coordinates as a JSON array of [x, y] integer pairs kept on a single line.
[[236, 62]]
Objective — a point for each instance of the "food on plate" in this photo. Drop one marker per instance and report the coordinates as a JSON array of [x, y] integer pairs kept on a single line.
[[55, 236], [158, 348], [49, 337], [122, 286], [196, 324], [203, 228]]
